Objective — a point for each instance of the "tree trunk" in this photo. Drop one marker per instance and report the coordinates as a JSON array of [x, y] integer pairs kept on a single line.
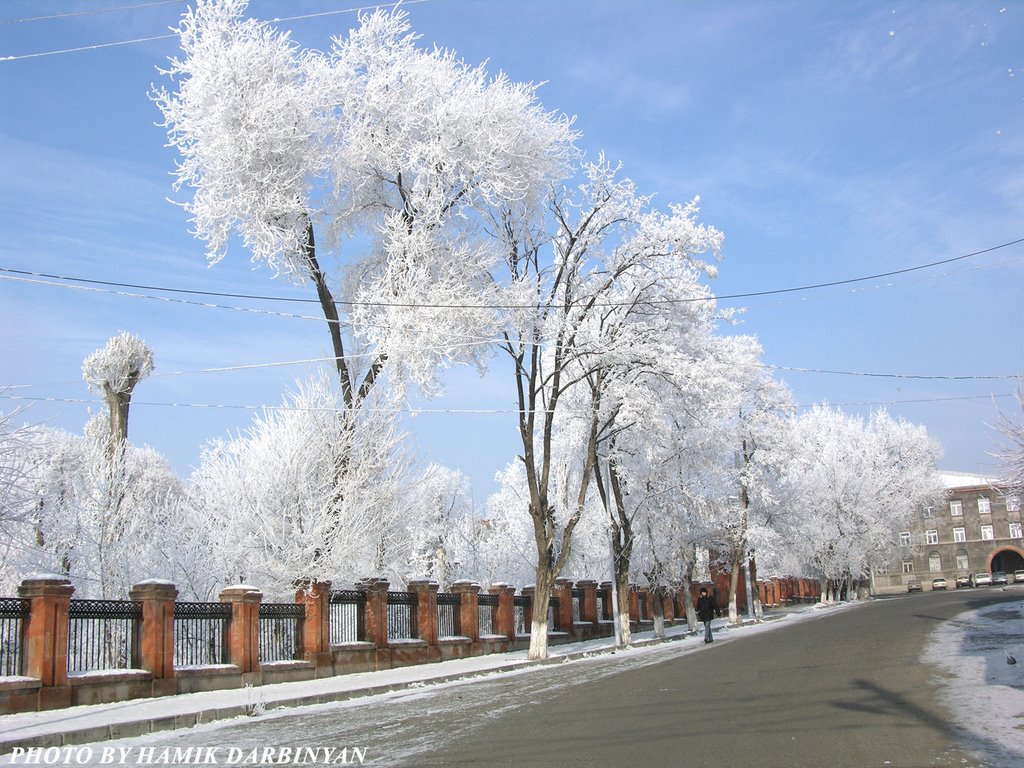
[[541, 602], [659, 611], [622, 595], [734, 581]]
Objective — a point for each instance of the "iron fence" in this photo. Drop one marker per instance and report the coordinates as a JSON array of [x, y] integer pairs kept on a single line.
[[578, 596], [604, 605], [14, 612], [554, 603], [486, 604], [447, 614], [402, 615], [103, 634], [280, 631], [200, 633], [347, 616], [519, 606]]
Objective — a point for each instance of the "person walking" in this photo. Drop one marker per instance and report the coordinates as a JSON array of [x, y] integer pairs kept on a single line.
[[707, 609]]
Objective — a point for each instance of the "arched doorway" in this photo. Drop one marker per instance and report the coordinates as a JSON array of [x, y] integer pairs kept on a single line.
[[1006, 559]]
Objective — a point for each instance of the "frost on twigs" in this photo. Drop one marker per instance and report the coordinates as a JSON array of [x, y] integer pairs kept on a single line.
[[119, 366]]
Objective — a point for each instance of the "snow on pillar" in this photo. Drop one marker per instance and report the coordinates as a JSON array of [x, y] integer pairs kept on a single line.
[[156, 638], [316, 627], [563, 616], [588, 603], [376, 611], [468, 616], [503, 620], [426, 609], [46, 630], [244, 630]]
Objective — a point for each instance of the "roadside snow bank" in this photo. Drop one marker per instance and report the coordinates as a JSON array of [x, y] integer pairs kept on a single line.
[[983, 690]]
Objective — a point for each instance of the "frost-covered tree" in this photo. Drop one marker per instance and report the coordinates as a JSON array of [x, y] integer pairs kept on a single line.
[[1012, 453], [113, 371], [444, 531], [850, 486], [605, 245], [378, 144], [279, 510]]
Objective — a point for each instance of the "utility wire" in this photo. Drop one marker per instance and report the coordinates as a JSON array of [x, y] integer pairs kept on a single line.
[[414, 411], [94, 12], [98, 46], [401, 305]]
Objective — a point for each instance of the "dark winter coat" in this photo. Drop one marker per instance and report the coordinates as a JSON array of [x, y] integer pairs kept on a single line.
[[706, 608]]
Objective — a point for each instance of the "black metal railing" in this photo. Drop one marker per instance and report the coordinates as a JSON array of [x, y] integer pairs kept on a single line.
[[103, 634], [402, 615], [200, 633], [604, 605], [519, 606], [347, 616], [578, 596], [554, 603], [14, 612], [486, 605], [280, 631], [447, 613]]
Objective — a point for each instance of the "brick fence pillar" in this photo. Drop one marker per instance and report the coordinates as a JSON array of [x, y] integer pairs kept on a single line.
[[634, 605], [426, 609], [315, 597], [376, 611], [503, 620], [156, 639], [527, 592], [244, 630], [46, 636], [563, 616], [588, 603], [468, 615]]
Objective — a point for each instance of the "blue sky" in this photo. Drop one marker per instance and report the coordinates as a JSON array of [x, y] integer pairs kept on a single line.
[[826, 140]]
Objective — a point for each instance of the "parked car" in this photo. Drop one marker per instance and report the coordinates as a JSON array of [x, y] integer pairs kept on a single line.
[[998, 578], [964, 581], [983, 579], [1018, 577], [938, 584], [913, 585]]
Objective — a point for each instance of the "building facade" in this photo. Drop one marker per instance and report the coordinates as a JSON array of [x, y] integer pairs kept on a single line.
[[976, 528]]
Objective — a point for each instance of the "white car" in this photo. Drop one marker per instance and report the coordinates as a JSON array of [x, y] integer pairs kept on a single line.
[[983, 579], [1018, 577]]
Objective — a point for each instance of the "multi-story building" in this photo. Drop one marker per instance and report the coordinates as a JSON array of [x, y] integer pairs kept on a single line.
[[977, 527]]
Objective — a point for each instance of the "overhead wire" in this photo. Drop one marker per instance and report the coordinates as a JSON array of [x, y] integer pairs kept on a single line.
[[134, 41], [484, 305]]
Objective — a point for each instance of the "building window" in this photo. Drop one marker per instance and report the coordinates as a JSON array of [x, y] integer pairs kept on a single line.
[[956, 508], [984, 506], [986, 533], [1015, 532], [959, 534], [932, 537], [908, 566], [963, 563], [1013, 504], [905, 539], [928, 512], [934, 563]]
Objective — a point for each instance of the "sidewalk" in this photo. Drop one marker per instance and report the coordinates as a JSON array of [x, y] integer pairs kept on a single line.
[[102, 722]]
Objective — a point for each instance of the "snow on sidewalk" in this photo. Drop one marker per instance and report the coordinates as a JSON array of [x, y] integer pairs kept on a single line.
[[101, 722]]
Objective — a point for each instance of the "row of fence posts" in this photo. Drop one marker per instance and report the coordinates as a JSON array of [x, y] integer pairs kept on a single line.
[[46, 635]]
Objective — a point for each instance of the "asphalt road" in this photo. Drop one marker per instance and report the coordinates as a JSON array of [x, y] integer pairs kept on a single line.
[[845, 689]]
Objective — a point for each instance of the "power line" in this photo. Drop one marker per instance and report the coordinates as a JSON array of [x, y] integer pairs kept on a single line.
[[456, 411], [134, 41], [401, 305], [94, 12]]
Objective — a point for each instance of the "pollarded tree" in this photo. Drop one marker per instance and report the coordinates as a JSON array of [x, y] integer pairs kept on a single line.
[[606, 245], [114, 371]]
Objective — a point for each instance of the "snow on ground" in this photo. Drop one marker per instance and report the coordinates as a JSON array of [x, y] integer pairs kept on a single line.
[[434, 690], [984, 692]]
